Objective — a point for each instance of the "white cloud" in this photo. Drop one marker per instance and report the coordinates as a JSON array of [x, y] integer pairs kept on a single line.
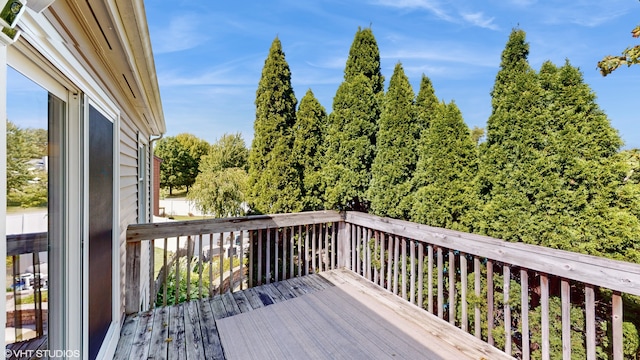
[[451, 14], [430, 5], [182, 33], [446, 54], [478, 19]]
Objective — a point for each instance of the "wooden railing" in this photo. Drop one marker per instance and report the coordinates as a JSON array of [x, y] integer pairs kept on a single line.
[[270, 248], [447, 272], [527, 300]]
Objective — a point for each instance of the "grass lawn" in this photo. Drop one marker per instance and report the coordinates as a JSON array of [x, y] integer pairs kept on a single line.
[[21, 210], [158, 260], [187, 217]]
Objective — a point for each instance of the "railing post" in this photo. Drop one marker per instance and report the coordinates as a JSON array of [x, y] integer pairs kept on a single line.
[[344, 243], [132, 293]]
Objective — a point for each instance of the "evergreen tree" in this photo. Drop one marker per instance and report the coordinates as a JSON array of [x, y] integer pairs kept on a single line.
[[507, 177], [396, 158], [352, 127], [350, 145], [447, 167], [584, 204], [274, 179], [426, 102], [364, 58], [308, 148]]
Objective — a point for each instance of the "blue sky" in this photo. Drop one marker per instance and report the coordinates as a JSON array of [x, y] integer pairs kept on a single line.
[[209, 54]]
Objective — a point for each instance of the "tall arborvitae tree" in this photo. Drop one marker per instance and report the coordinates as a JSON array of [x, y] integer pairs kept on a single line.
[[584, 203], [426, 102], [274, 179], [350, 145], [352, 127], [515, 137], [447, 166], [396, 158], [364, 58], [308, 148]]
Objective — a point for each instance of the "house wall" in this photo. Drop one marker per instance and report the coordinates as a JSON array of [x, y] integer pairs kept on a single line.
[[98, 51], [129, 192]]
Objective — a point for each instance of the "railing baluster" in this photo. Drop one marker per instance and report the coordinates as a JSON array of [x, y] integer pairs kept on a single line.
[[412, 272], [616, 325], [200, 266], [300, 257], [506, 277], [306, 250], [420, 274], [452, 287], [165, 273], [430, 277], [241, 255], [251, 258], [358, 250], [176, 289], [379, 274], [210, 264], [544, 318], [152, 274], [284, 253], [404, 268], [440, 284], [464, 317], [590, 317], [221, 259], [231, 257], [376, 240], [396, 263], [367, 241], [268, 258], [326, 253], [334, 249], [566, 318], [390, 262], [477, 284], [524, 300], [291, 251], [276, 263], [313, 249], [352, 246], [189, 251], [490, 302]]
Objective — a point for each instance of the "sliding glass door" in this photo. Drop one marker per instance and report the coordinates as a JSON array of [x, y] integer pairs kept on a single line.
[[35, 209]]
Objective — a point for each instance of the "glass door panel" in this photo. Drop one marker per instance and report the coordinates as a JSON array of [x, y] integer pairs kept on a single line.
[[34, 207]]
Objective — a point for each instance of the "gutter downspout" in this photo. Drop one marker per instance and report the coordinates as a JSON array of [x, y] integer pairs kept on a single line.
[[151, 141]]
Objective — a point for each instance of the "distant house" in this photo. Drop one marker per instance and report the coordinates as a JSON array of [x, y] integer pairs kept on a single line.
[[94, 61]]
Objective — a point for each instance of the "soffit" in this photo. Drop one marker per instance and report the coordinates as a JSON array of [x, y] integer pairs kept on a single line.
[[116, 49]]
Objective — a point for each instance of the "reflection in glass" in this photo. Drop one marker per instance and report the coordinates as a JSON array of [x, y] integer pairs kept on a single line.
[[28, 192]]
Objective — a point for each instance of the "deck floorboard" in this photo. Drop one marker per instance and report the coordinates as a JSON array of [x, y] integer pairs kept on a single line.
[[330, 315]]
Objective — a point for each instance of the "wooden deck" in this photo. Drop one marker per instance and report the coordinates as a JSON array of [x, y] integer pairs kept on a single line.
[[331, 315]]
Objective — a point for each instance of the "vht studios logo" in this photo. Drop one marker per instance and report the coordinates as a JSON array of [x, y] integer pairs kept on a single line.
[[51, 354]]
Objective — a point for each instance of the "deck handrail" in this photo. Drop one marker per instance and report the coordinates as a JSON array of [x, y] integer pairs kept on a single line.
[[612, 274], [140, 232]]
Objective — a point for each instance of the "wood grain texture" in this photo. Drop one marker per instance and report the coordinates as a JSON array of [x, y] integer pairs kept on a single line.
[[615, 275], [357, 319]]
